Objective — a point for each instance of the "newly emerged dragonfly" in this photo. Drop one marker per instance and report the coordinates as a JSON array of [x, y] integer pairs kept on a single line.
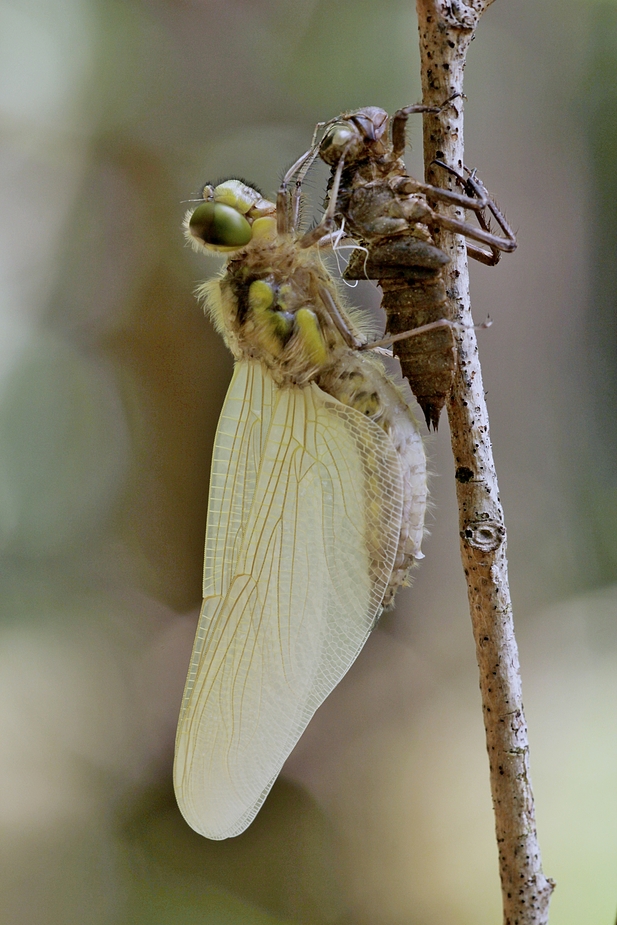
[[315, 515], [374, 201]]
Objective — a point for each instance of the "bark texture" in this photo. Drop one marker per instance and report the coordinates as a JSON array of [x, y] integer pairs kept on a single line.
[[446, 29]]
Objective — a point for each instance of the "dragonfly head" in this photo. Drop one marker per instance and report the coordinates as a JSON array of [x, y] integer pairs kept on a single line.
[[231, 215]]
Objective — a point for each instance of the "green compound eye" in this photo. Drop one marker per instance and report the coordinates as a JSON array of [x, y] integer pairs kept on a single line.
[[219, 225]]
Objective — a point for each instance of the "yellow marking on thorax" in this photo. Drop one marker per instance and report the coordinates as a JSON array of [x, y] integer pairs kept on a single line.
[[312, 339], [271, 328]]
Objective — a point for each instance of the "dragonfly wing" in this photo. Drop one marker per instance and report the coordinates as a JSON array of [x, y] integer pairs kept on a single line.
[[304, 491]]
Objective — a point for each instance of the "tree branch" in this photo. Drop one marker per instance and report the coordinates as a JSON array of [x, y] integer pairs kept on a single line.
[[446, 29]]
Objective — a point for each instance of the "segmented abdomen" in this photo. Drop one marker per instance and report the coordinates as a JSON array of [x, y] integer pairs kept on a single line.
[[410, 272]]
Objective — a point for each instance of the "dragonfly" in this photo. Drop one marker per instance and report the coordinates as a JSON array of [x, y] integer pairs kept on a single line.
[[392, 217], [316, 509]]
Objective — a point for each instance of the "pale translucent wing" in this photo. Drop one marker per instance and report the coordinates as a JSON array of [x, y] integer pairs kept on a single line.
[[297, 590], [236, 460]]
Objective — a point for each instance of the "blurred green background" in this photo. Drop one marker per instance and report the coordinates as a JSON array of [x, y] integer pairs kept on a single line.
[[111, 380]]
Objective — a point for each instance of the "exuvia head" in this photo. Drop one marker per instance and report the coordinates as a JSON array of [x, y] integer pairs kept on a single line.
[[355, 135]]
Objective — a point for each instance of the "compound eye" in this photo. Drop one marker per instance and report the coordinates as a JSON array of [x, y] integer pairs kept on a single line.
[[219, 225], [340, 135], [341, 138]]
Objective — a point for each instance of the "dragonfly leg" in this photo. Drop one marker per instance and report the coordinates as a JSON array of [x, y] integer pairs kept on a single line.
[[408, 184], [339, 322], [286, 219], [399, 126], [474, 187], [296, 198], [328, 224], [399, 123], [496, 244], [424, 329]]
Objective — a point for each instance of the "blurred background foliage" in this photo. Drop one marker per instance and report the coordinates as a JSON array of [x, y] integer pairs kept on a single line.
[[113, 112]]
